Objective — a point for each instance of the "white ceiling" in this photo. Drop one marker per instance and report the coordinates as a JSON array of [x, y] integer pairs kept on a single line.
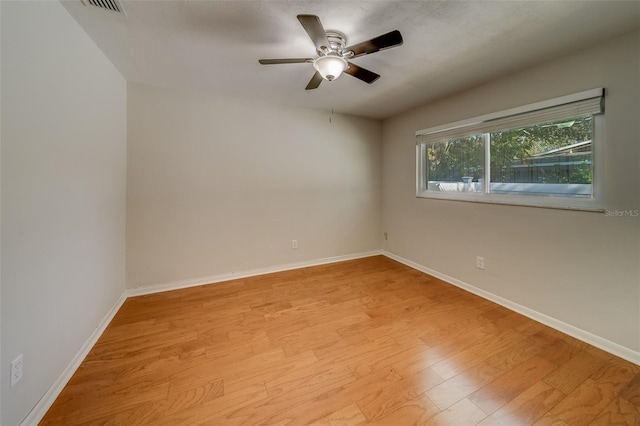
[[214, 46]]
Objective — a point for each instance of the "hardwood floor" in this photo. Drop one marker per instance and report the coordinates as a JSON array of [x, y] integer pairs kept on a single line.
[[368, 341]]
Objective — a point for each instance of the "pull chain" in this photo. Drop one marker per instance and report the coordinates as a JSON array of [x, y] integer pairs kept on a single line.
[[331, 100]]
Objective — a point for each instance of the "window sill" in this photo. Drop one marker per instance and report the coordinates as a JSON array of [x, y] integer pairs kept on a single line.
[[543, 201]]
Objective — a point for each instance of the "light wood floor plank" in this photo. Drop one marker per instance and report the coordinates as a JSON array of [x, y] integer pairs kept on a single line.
[[363, 342], [527, 408], [348, 416], [509, 385]]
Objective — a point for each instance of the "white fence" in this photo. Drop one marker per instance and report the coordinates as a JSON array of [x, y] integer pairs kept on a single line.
[[557, 189]]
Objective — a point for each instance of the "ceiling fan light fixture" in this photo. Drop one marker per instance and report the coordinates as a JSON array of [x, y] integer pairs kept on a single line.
[[330, 66]]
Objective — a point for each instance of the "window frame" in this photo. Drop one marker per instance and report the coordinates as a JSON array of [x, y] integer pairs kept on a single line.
[[593, 203]]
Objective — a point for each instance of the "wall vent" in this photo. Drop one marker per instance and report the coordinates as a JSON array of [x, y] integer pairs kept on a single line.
[[110, 5]]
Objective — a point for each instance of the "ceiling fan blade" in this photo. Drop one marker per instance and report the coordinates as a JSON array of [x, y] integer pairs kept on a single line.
[[362, 73], [285, 61], [314, 82], [313, 27], [385, 41]]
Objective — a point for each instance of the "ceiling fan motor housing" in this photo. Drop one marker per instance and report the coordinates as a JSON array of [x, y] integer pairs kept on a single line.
[[337, 42]]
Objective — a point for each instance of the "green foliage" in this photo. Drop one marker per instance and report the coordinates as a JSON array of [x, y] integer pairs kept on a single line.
[[513, 154], [449, 161], [515, 147]]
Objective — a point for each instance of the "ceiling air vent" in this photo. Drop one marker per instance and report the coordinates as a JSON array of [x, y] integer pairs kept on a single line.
[[111, 5]]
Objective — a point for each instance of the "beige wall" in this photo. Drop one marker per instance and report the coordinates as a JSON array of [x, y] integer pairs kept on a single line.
[[218, 186], [580, 268], [63, 195]]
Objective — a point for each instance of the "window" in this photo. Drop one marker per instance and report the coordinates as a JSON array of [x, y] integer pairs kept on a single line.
[[546, 154]]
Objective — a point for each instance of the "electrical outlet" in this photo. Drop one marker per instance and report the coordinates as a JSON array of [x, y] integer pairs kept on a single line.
[[16, 370], [480, 262], [294, 244], [386, 236]]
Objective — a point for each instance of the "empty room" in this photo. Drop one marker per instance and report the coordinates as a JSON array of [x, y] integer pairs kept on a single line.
[[319, 212]]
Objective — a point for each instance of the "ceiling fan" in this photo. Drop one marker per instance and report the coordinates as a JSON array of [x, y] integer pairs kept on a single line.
[[333, 57]]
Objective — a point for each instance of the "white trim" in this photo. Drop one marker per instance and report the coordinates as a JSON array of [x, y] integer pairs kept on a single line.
[[597, 341], [176, 285], [40, 409], [575, 97]]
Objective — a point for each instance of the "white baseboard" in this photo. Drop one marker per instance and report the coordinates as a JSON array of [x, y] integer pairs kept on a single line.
[[176, 285], [595, 340], [37, 413]]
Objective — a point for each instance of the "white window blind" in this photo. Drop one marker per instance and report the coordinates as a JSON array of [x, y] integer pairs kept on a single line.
[[590, 102]]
